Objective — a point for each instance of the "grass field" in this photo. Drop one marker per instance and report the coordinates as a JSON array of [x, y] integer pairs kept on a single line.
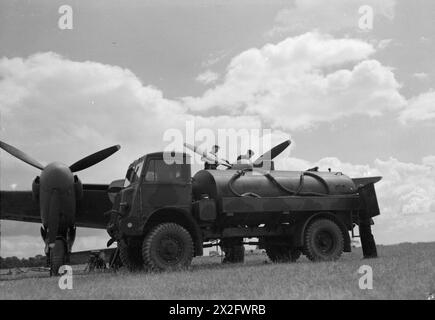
[[404, 271]]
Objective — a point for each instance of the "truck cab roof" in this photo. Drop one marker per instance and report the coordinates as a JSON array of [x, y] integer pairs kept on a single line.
[[160, 155]]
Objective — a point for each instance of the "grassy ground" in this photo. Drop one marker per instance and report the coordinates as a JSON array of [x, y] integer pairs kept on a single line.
[[405, 271]]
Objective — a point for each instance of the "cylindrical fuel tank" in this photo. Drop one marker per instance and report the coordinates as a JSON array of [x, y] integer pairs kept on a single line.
[[223, 183]]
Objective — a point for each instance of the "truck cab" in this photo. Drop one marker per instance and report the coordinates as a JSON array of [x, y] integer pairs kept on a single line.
[[156, 190]]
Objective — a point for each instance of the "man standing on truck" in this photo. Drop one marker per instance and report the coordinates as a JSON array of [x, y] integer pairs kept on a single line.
[[245, 158], [209, 165]]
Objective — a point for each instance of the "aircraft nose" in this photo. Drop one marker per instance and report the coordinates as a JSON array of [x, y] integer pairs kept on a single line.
[[56, 176]]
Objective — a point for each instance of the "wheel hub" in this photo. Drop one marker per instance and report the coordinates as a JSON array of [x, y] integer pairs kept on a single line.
[[170, 250], [324, 241]]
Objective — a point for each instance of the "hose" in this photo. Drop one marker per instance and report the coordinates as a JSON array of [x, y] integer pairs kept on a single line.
[[296, 192], [236, 176]]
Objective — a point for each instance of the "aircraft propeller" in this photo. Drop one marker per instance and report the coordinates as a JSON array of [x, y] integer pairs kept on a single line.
[[272, 153], [80, 165], [57, 191], [21, 155]]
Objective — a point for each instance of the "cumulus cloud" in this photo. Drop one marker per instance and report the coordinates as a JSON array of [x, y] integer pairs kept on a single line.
[[329, 16], [420, 108], [429, 161], [66, 110], [409, 187], [420, 75], [302, 81], [207, 77], [69, 109]]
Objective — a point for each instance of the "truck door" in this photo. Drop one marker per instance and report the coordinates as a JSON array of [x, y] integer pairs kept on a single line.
[[166, 184]]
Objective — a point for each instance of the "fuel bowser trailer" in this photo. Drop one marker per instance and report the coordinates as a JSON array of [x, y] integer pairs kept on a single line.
[[162, 217]]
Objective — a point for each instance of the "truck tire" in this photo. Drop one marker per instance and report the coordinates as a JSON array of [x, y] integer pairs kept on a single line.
[[130, 255], [167, 247], [323, 240], [57, 257], [234, 254], [282, 253]]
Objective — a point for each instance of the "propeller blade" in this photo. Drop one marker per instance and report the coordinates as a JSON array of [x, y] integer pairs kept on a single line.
[[272, 153], [21, 155], [94, 158], [207, 155]]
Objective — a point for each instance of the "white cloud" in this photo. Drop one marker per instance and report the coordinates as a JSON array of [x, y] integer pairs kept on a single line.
[[420, 75], [301, 81], [429, 161], [329, 16], [69, 109], [420, 108], [215, 58], [408, 188], [58, 109], [384, 43], [66, 110], [207, 77]]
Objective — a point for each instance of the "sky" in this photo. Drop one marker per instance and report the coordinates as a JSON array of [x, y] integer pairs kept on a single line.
[[354, 96]]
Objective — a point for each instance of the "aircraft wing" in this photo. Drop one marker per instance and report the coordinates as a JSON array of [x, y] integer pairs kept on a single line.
[[19, 206], [93, 205]]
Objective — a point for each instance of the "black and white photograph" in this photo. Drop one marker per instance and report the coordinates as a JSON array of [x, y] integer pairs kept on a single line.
[[217, 156]]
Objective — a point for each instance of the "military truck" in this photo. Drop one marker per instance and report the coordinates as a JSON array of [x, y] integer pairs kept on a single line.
[[162, 217]]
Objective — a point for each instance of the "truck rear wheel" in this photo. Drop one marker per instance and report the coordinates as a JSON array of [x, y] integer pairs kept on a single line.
[[168, 246], [234, 254], [130, 254], [282, 253], [323, 241]]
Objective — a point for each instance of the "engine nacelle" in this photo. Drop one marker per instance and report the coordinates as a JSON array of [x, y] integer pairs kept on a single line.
[[35, 189], [78, 188]]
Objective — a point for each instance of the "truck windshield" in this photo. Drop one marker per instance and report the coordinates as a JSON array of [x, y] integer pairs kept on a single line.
[[159, 171], [133, 174]]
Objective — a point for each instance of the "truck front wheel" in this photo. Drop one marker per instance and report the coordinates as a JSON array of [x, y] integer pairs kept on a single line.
[[130, 254], [323, 241], [168, 246]]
